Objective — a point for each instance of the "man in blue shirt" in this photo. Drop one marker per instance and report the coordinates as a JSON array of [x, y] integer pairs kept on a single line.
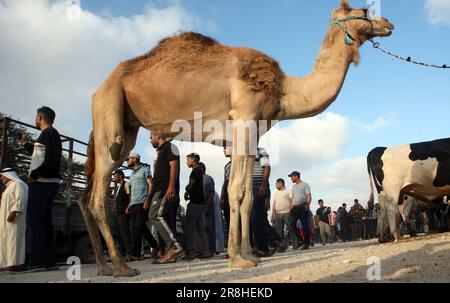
[[141, 186]]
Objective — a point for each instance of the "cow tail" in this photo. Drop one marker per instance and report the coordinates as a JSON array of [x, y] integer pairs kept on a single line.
[[371, 180]]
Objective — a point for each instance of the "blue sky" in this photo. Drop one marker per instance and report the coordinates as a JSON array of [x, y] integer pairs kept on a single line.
[[47, 59]]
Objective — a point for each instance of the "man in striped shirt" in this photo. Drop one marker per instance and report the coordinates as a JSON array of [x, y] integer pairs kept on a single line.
[[261, 191]]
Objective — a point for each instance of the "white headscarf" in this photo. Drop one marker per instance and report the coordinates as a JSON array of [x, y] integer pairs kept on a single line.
[[10, 174]]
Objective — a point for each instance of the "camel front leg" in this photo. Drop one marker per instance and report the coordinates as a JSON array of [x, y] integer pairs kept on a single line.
[[236, 193], [245, 211]]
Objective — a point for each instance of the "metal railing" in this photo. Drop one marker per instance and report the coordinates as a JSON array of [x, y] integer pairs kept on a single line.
[[73, 183]]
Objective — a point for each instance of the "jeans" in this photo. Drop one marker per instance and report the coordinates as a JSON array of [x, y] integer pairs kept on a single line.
[[357, 229], [300, 212], [273, 238], [325, 232], [211, 228], [372, 228], [194, 228], [258, 218], [280, 221], [140, 229], [39, 223], [124, 236]]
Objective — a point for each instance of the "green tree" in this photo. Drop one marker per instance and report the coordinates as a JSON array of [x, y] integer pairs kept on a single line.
[[16, 157]]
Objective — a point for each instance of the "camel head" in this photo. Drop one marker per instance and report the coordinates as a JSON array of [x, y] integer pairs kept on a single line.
[[358, 26]]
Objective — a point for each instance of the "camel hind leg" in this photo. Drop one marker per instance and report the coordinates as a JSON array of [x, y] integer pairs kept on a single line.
[[99, 206], [100, 211], [112, 145], [91, 224]]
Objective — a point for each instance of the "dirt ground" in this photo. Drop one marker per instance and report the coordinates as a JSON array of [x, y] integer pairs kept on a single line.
[[421, 259]]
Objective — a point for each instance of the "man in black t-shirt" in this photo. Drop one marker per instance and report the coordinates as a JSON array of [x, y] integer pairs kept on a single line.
[[324, 223], [44, 179], [165, 195], [195, 220]]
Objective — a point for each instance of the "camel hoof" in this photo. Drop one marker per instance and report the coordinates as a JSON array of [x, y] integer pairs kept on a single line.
[[252, 258], [241, 263], [126, 272], [105, 271]]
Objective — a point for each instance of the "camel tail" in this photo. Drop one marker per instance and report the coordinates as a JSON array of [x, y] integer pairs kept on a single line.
[[89, 167]]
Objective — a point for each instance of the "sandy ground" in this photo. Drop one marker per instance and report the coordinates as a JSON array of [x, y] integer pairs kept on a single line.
[[421, 259]]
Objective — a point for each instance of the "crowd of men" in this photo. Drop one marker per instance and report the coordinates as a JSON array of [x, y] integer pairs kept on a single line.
[[148, 203], [292, 222]]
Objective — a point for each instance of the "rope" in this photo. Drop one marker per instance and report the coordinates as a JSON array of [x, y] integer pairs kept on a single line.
[[407, 59], [347, 38]]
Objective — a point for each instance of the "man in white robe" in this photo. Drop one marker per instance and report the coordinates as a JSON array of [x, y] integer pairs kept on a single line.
[[12, 220]]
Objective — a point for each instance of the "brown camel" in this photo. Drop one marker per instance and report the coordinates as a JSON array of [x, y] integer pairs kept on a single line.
[[192, 73]]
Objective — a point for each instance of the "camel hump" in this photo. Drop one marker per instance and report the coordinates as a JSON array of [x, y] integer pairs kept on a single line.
[[195, 38], [176, 46], [188, 42]]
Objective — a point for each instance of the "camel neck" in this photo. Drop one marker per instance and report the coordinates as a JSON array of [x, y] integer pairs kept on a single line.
[[309, 96]]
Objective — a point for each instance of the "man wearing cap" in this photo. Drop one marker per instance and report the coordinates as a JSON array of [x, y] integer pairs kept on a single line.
[[301, 199], [141, 187], [12, 220], [122, 198]]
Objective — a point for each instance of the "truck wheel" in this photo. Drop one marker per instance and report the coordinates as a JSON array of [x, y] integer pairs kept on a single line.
[[84, 250]]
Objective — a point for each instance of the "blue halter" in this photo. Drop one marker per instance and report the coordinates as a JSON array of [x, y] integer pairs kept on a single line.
[[348, 38]]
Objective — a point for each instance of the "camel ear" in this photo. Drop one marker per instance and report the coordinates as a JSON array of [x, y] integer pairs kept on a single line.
[[345, 6]]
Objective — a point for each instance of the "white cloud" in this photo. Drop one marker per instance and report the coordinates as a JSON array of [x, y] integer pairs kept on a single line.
[[379, 123], [47, 59], [438, 11], [340, 182], [305, 142]]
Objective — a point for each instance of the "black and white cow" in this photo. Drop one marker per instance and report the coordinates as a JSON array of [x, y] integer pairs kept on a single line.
[[420, 170]]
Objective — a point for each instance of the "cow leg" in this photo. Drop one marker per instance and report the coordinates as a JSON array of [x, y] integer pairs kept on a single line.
[[392, 214], [383, 222]]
